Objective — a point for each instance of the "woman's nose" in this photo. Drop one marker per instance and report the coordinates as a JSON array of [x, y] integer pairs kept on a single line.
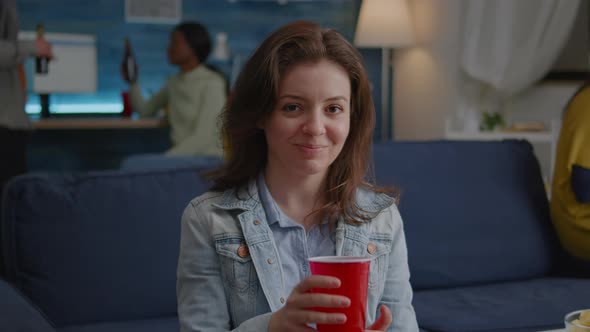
[[314, 125]]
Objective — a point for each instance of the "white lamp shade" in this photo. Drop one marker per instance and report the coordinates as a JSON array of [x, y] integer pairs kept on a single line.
[[384, 23]]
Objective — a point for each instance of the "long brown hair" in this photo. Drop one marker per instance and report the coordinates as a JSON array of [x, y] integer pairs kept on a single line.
[[254, 98]]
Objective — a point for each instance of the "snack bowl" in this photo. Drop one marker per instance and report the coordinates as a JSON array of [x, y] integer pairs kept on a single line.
[[577, 321]]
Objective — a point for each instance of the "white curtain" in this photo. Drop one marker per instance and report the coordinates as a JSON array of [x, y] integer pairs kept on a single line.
[[509, 45]]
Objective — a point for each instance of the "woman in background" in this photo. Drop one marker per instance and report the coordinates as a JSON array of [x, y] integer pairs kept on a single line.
[[194, 97], [300, 125], [570, 196]]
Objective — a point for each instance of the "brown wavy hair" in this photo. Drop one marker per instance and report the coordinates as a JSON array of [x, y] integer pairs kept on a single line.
[[254, 97]]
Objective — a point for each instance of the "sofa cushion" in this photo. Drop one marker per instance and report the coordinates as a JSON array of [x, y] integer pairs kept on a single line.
[[533, 305], [474, 212], [147, 325], [18, 314], [99, 246]]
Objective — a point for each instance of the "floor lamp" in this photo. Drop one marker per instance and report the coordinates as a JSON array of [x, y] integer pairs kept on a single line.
[[384, 24]]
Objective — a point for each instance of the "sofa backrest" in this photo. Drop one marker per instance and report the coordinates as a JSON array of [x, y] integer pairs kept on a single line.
[[474, 212], [99, 246], [153, 161]]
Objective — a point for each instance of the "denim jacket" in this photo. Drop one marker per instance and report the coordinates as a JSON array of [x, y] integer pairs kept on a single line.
[[229, 275]]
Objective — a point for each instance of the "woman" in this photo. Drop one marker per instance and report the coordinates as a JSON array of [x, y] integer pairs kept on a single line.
[[570, 196], [193, 97], [300, 126]]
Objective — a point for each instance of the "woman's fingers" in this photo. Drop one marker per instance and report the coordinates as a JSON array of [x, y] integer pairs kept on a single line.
[[302, 302], [316, 281], [317, 300], [302, 298], [299, 309], [308, 316], [294, 317], [384, 320]]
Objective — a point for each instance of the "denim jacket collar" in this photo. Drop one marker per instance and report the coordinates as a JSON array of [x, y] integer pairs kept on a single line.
[[247, 199], [263, 250], [243, 198]]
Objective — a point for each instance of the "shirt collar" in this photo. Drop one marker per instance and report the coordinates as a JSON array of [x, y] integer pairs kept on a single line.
[[274, 213], [255, 195], [195, 73]]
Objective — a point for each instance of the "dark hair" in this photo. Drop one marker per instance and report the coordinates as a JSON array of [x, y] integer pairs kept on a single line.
[[254, 97], [197, 37]]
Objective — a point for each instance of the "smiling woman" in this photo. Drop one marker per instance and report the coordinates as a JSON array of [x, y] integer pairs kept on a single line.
[[310, 123], [299, 125]]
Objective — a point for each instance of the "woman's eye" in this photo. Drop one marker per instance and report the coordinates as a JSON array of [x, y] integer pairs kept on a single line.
[[291, 107], [334, 109]]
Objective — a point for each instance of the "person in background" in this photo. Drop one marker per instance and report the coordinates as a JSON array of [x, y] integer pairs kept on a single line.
[[570, 195], [300, 125], [194, 97], [14, 123], [15, 126]]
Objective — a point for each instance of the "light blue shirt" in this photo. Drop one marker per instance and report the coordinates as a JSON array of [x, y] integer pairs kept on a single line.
[[293, 244]]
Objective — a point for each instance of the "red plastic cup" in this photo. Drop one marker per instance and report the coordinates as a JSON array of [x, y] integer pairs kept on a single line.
[[127, 108], [353, 273]]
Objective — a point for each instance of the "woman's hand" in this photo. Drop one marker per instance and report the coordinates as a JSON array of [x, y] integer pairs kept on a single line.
[[125, 75], [297, 312], [383, 322]]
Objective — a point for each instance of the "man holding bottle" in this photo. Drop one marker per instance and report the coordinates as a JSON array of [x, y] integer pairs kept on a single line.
[[14, 122], [193, 98]]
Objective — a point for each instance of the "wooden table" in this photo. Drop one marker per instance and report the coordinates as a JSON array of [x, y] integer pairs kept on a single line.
[[98, 123], [93, 143]]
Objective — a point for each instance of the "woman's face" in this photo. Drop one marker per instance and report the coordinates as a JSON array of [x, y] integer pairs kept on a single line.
[[179, 50], [311, 119]]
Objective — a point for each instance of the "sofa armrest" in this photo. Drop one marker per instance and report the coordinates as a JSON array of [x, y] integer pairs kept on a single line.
[[18, 314]]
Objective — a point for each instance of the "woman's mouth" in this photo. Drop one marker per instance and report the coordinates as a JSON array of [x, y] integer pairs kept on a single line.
[[310, 148]]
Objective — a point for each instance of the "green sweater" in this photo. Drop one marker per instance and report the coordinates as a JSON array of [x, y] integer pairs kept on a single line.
[[194, 101]]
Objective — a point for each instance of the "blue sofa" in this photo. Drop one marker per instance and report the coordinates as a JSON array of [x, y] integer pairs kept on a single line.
[[98, 251]]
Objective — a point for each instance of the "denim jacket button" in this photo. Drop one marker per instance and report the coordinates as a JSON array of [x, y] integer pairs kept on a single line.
[[243, 251], [256, 222], [269, 261], [282, 300], [371, 248]]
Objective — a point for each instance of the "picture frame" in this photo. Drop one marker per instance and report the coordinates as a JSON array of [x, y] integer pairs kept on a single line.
[[153, 11]]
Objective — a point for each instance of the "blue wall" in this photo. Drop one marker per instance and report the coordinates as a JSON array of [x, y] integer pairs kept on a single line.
[[246, 22]]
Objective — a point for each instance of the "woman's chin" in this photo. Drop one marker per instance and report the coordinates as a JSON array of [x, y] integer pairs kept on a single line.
[[312, 167]]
